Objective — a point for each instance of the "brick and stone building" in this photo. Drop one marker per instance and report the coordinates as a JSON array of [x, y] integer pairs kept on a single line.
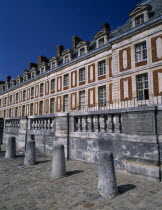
[[106, 89]]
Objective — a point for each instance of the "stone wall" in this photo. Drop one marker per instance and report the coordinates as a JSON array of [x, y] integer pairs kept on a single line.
[[134, 136]]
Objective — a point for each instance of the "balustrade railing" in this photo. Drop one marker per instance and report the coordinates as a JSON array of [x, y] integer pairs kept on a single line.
[[119, 104], [42, 124], [107, 123], [14, 123]]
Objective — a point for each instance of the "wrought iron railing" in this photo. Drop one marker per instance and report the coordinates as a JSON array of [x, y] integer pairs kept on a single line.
[[120, 104]]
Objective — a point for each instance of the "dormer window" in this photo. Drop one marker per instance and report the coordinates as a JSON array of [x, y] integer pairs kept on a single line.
[[66, 58], [82, 51], [32, 74], [53, 65], [139, 20], [101, 42], [24, 79], [42, 69]]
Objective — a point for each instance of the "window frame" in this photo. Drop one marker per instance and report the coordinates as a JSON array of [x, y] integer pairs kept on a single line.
[[66, 80], [102, 69], [142, 87], [82, 75], [141, 52]]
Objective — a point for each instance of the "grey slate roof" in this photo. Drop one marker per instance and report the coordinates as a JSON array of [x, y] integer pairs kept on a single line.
[[155, 12]]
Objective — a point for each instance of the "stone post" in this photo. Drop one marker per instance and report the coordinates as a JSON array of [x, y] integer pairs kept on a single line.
[[30, 153], [107, 186], [11, 147], [117, 124], [109, 124], [58, 163]]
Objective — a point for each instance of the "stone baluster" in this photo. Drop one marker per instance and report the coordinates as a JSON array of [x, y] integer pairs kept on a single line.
[[52, 124], [96, 123], [102, 124], [49, 124], [78, 124], [117, 124], [84, 123], [90, 124], [45, 124], [109, 123]]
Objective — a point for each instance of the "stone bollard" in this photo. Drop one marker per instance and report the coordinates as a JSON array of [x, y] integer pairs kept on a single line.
[[107, 186], [11, 147], [30, 153], [58, 162]]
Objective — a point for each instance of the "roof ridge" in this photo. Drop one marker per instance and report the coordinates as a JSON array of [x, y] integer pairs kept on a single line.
[[141, 2]]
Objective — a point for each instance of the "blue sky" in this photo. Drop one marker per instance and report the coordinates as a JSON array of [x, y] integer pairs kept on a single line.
[[30, 28]]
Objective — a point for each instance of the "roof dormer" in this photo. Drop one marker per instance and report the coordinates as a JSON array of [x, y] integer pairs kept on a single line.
[[140, 15], [53, 62], [66, 54], [82, 47], [101, 36]]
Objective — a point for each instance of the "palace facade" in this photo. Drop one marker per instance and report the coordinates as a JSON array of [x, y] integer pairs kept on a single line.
[[120, 65], [104, 95]]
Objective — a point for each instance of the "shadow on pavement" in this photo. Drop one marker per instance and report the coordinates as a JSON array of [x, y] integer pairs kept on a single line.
[[42, 161], [124, 188], [70, 173]]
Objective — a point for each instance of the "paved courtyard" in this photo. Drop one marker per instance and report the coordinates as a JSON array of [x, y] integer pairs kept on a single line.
[[32, 187]]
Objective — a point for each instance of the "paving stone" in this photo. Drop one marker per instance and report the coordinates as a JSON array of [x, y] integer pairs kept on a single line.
[[33, 188]]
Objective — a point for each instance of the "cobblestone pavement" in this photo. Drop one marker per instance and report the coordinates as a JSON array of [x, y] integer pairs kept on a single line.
[[32, 188]]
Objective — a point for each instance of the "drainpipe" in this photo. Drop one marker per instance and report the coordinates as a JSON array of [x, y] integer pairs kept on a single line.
[[68, 140], [157, 142]]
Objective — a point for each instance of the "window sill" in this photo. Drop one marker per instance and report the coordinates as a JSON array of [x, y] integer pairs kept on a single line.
[[141, 63], [102, 77], [81, 83]]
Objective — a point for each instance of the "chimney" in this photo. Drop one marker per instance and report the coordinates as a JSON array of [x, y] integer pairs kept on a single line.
[[106, 26], [8, 78], [60, 49], [32, 65], [42, 59], [75, 41]]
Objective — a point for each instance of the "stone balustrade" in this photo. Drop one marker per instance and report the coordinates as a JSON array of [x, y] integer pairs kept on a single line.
[[106, 123], [42, 124], [13, 123]]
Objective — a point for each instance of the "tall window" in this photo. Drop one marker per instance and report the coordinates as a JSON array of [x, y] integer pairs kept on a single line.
[[82, 99], [17, 97], [0, 103], [82, 51], [142, 87], [40, 107], [82, 76], [4, 113], [23, 110], [53, 84], [24, 94], [66, 80], [141, 51], [102, 96], [101, 68], [101, 42], [10, 99], [5, 101], [16, 112], [41, 88], [139, 20], [9, 112], [31, 109], [52, 105], [65, 103], [33, 74], [32, 92]]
